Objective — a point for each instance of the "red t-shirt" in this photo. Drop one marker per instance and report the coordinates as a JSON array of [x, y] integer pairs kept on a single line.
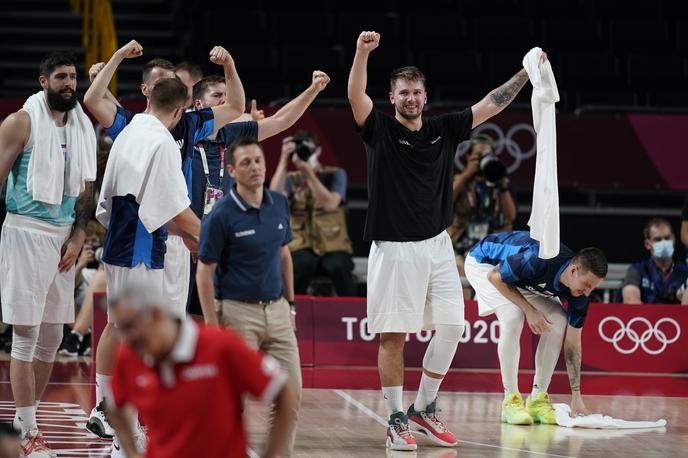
[[192, 403]]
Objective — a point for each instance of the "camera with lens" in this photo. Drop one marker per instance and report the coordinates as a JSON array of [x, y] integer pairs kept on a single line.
[[490, 166], [492, 169], [97, 258], [305, 146]]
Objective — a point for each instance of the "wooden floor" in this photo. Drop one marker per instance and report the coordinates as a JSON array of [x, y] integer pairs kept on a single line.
[[350, 423]]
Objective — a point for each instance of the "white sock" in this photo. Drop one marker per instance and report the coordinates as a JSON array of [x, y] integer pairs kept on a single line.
[[26, 417], [427, 392], [393, 396], [102, 387], [536, 390]]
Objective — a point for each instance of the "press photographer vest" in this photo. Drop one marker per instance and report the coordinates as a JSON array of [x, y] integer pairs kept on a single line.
[[478, 211], [317, 229]]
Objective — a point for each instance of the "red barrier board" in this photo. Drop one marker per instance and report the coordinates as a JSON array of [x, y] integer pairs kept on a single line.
[[636, 338], [647, 339], [616, 338], [342, 338]]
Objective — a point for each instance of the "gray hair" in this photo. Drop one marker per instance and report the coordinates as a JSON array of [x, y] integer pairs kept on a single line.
[[139, 296]]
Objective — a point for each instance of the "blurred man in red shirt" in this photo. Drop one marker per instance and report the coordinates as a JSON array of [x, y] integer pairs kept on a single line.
[[187, 383]]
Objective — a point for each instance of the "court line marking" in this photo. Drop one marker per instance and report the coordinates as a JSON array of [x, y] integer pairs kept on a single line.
[[363, 408], [521, 371]]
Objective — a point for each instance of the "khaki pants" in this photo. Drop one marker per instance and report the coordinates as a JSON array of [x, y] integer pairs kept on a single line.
[[267, 328]]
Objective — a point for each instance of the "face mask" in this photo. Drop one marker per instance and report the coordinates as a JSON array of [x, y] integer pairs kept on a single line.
[[663, 249]]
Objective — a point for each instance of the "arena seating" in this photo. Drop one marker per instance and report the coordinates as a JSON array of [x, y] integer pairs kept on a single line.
[[464, 47]]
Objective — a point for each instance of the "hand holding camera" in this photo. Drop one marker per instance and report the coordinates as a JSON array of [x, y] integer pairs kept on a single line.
[[288, 147], [85, 257], [483, 160]]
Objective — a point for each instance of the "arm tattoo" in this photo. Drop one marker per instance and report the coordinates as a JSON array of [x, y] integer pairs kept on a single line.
[[573, 366], [84, 207], [504, 94]]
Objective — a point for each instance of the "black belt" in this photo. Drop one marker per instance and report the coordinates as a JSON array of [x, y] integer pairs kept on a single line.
[[261, 302]]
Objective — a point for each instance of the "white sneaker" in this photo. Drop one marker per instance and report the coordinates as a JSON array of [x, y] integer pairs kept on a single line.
[[141, 436], [98, 423], [398, 433], [116, 449], [34, 446]]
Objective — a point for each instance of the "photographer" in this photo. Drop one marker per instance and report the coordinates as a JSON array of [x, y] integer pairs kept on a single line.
[[316, 196], [88, 261], [90, 278], [483, 203]]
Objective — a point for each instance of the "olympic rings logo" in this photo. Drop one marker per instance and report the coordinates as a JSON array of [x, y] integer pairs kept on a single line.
[[640, 340], [503, 142]]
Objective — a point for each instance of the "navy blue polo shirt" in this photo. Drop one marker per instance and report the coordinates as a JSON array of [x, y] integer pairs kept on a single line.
[[127, 243], [516, 254], [655, 286], [225, 136], [245, 242]]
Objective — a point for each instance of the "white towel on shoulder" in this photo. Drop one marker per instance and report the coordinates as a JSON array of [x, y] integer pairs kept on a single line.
[[598, 421], [145, 162], [544, 217], [49, 176]]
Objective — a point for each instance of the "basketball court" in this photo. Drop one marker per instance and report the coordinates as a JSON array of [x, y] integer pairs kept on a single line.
[[350, 423]]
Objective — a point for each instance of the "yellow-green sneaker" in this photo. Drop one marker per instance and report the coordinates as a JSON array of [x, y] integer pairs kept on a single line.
[[514, 412], [541, 409]]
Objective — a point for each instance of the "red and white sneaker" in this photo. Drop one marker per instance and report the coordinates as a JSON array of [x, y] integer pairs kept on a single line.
[[34, 446], [399, 435], [426, 422]]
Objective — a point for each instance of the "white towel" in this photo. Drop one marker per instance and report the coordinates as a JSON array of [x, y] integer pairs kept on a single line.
[[48, 176], [145, 162], [544, 217], [599, 421]]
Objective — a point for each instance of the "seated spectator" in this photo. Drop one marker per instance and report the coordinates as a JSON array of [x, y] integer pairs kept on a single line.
[[483, 203], [318, 217], [658, 279]]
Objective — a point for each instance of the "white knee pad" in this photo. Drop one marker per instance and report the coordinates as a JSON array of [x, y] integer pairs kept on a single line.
[[49, 340], [442, 347], [24, 339]]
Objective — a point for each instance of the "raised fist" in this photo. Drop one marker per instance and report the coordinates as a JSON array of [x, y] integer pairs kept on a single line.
[[94, 70], [367, 41], [131, 50], [220, 56], [320, 80]]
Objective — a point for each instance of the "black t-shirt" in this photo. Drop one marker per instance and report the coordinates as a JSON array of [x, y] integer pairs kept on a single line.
[[410, 175]]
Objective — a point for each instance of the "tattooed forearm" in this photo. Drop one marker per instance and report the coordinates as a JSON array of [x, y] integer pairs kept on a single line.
[[84, 207], [504, 94], [572, 355]]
